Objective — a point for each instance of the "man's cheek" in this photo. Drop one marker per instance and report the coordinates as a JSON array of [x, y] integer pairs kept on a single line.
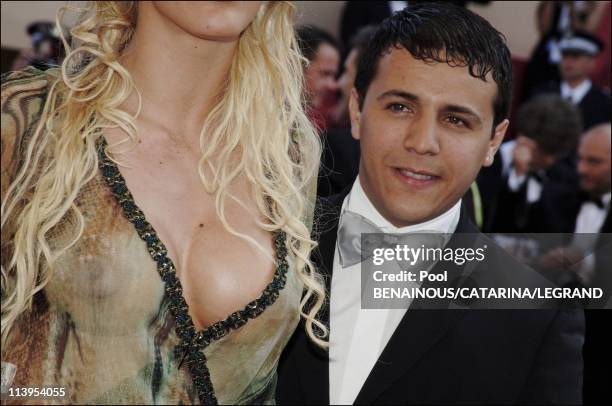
[[463, 167]]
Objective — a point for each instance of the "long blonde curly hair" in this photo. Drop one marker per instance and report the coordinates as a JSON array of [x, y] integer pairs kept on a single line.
[[259, 116]]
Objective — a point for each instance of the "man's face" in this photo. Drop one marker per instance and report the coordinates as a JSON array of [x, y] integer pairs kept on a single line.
[[425, 131], [575, 66], [594, 165], [534, 158], [321, 74], [45, 49]]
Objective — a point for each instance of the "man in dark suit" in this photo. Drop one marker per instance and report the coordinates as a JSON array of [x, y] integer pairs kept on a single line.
[[340, 158], [578, 53], [532, 167], [320, 85], [429, 109], [586, 209], [585, 213]]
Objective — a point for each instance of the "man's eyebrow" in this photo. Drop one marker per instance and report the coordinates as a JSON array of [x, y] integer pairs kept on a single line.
[[454, 108], [398, 93], [594, 159]]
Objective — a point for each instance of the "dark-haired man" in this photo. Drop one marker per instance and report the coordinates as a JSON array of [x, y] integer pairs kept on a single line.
[[340, 158], [429, 108], [533, 167], [323, 55]]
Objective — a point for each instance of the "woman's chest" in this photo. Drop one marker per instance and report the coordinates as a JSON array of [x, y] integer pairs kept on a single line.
[[106, 280], [223, 258], [109, 272]]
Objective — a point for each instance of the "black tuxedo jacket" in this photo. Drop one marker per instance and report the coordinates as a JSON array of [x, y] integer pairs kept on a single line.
[[507, 211], [447, 356], [594, 106]]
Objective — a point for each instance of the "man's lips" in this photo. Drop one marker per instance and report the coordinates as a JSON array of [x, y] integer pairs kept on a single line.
[[416, 177]]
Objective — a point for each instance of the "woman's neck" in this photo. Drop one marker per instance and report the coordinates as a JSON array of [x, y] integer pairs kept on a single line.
[[177, 74]]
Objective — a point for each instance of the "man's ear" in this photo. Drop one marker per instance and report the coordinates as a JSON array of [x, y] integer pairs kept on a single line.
[[498, 136], [355, 114]]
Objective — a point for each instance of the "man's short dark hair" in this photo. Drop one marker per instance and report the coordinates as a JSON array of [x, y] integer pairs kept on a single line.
[[553, 123], [442, 32], [310, 39]]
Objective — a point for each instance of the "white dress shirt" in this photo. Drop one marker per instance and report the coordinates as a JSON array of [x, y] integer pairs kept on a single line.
[[589, 221], [590, 217], [577, 93], [396, 6], [358, 336], [515, 182]]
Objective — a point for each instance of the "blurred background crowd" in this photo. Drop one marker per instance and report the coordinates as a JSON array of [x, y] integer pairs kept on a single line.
[[552, 173]]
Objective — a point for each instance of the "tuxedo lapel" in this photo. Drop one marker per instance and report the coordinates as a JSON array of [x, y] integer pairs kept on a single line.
[[418, 331], [588, 99]]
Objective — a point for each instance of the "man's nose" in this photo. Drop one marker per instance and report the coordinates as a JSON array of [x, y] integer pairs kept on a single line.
[[422, 135], [333, 84]]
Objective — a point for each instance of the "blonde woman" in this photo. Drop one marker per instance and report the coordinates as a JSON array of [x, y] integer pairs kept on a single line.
[[156, 206]]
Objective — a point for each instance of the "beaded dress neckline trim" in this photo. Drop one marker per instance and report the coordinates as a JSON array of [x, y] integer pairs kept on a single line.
[[192, 342]]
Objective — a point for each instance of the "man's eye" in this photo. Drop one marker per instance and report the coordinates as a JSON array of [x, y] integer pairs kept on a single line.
[[397, 107], [456, 121]]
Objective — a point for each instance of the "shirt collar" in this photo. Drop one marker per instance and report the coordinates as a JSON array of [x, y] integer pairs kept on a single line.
[[358, 202], [601, 202], [577, 93]]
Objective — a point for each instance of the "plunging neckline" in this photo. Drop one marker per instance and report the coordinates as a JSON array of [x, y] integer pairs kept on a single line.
[[192, 342]]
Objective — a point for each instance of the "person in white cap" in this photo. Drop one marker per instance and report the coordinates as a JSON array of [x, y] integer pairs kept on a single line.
[[578, 58]]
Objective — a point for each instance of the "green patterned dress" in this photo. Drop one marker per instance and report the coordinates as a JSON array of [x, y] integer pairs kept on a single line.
[[112, 325]]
